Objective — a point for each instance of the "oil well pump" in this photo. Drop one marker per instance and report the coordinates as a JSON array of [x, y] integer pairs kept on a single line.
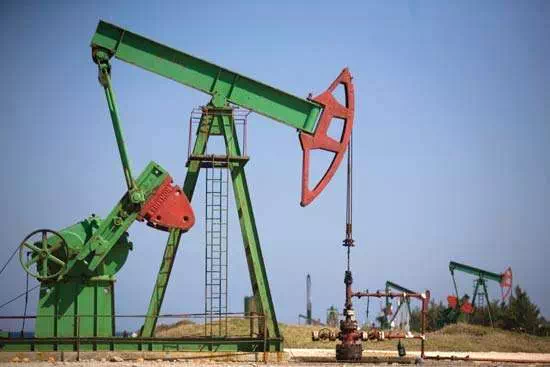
[[350, 335], [480, 292], [390, 315], [76, 266]]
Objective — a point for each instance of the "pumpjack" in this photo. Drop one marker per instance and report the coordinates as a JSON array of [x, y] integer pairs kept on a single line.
[[76, 265], [480, 292], [405, 301]]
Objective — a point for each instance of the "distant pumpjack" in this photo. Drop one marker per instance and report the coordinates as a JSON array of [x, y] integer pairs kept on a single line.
[[505, 279]]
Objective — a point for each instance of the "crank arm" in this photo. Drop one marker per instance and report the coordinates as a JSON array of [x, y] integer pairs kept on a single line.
[[165, 207]]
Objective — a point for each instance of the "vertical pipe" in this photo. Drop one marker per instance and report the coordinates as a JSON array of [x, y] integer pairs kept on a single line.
[[309, 313], [423, 327], [388, 307]]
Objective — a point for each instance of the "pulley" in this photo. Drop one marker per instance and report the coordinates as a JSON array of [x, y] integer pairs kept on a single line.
[[48, 254]]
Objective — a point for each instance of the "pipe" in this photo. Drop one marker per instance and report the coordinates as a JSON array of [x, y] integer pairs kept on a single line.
[[468, 358]]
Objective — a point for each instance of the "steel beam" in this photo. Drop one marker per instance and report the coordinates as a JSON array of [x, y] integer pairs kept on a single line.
[[251, 240], [474, 271], [256, 266], [207, 77]]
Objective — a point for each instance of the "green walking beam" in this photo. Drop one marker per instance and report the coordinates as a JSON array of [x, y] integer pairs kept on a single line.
[[206, 77], [312, 117]]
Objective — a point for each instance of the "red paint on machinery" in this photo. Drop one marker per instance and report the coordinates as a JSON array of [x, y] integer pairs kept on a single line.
[[168, 208], [321, 140]]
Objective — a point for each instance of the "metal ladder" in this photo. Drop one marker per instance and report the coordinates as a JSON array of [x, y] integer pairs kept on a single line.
[[216, 255], [480, 296]]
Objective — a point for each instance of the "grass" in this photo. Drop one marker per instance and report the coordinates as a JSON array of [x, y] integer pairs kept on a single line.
[[459, 338], [234, 327]]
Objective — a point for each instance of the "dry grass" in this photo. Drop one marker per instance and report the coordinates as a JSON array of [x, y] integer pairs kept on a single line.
[[458, 338], [234, 327]]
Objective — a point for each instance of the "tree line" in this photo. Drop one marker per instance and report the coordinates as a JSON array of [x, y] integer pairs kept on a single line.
[[519, 314]]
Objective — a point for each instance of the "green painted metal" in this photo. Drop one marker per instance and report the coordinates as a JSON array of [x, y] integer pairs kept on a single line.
[[75, 308], [207, 77], [482, 276], [97, 249], [225, 87], [474, 271], [80, 301], [47, 254], [221, 116], [476, 289], [397, 287], [70, 307], [105, 81], [117, 222], [239, 344], [171, 249], [256, 264]]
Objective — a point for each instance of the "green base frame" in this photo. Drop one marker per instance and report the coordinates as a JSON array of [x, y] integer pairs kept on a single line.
[[141, 344]]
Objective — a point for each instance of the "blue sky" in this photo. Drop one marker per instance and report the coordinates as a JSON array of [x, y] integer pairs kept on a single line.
[[451, 138]]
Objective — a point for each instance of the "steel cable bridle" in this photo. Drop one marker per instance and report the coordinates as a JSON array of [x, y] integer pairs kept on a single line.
[[27, 290], [9, 259], [26, 300], [19, 296]]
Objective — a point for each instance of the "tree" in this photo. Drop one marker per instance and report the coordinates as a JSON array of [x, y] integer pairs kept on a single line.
[[521, 314], [484, 315]]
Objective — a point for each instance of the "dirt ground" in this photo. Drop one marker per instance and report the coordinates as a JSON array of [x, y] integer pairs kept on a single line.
[[320, 357], [174, 364]]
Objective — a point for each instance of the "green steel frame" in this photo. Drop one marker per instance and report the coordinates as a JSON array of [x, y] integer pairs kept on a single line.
[[226, 87], [92, 253], [480, 273], [219, 118], [221, 83]]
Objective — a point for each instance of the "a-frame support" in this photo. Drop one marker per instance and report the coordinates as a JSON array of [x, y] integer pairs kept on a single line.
[[481, 281], [217, 119]]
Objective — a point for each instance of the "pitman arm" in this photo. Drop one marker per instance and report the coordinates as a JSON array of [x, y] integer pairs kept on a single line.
[[311, 117]]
